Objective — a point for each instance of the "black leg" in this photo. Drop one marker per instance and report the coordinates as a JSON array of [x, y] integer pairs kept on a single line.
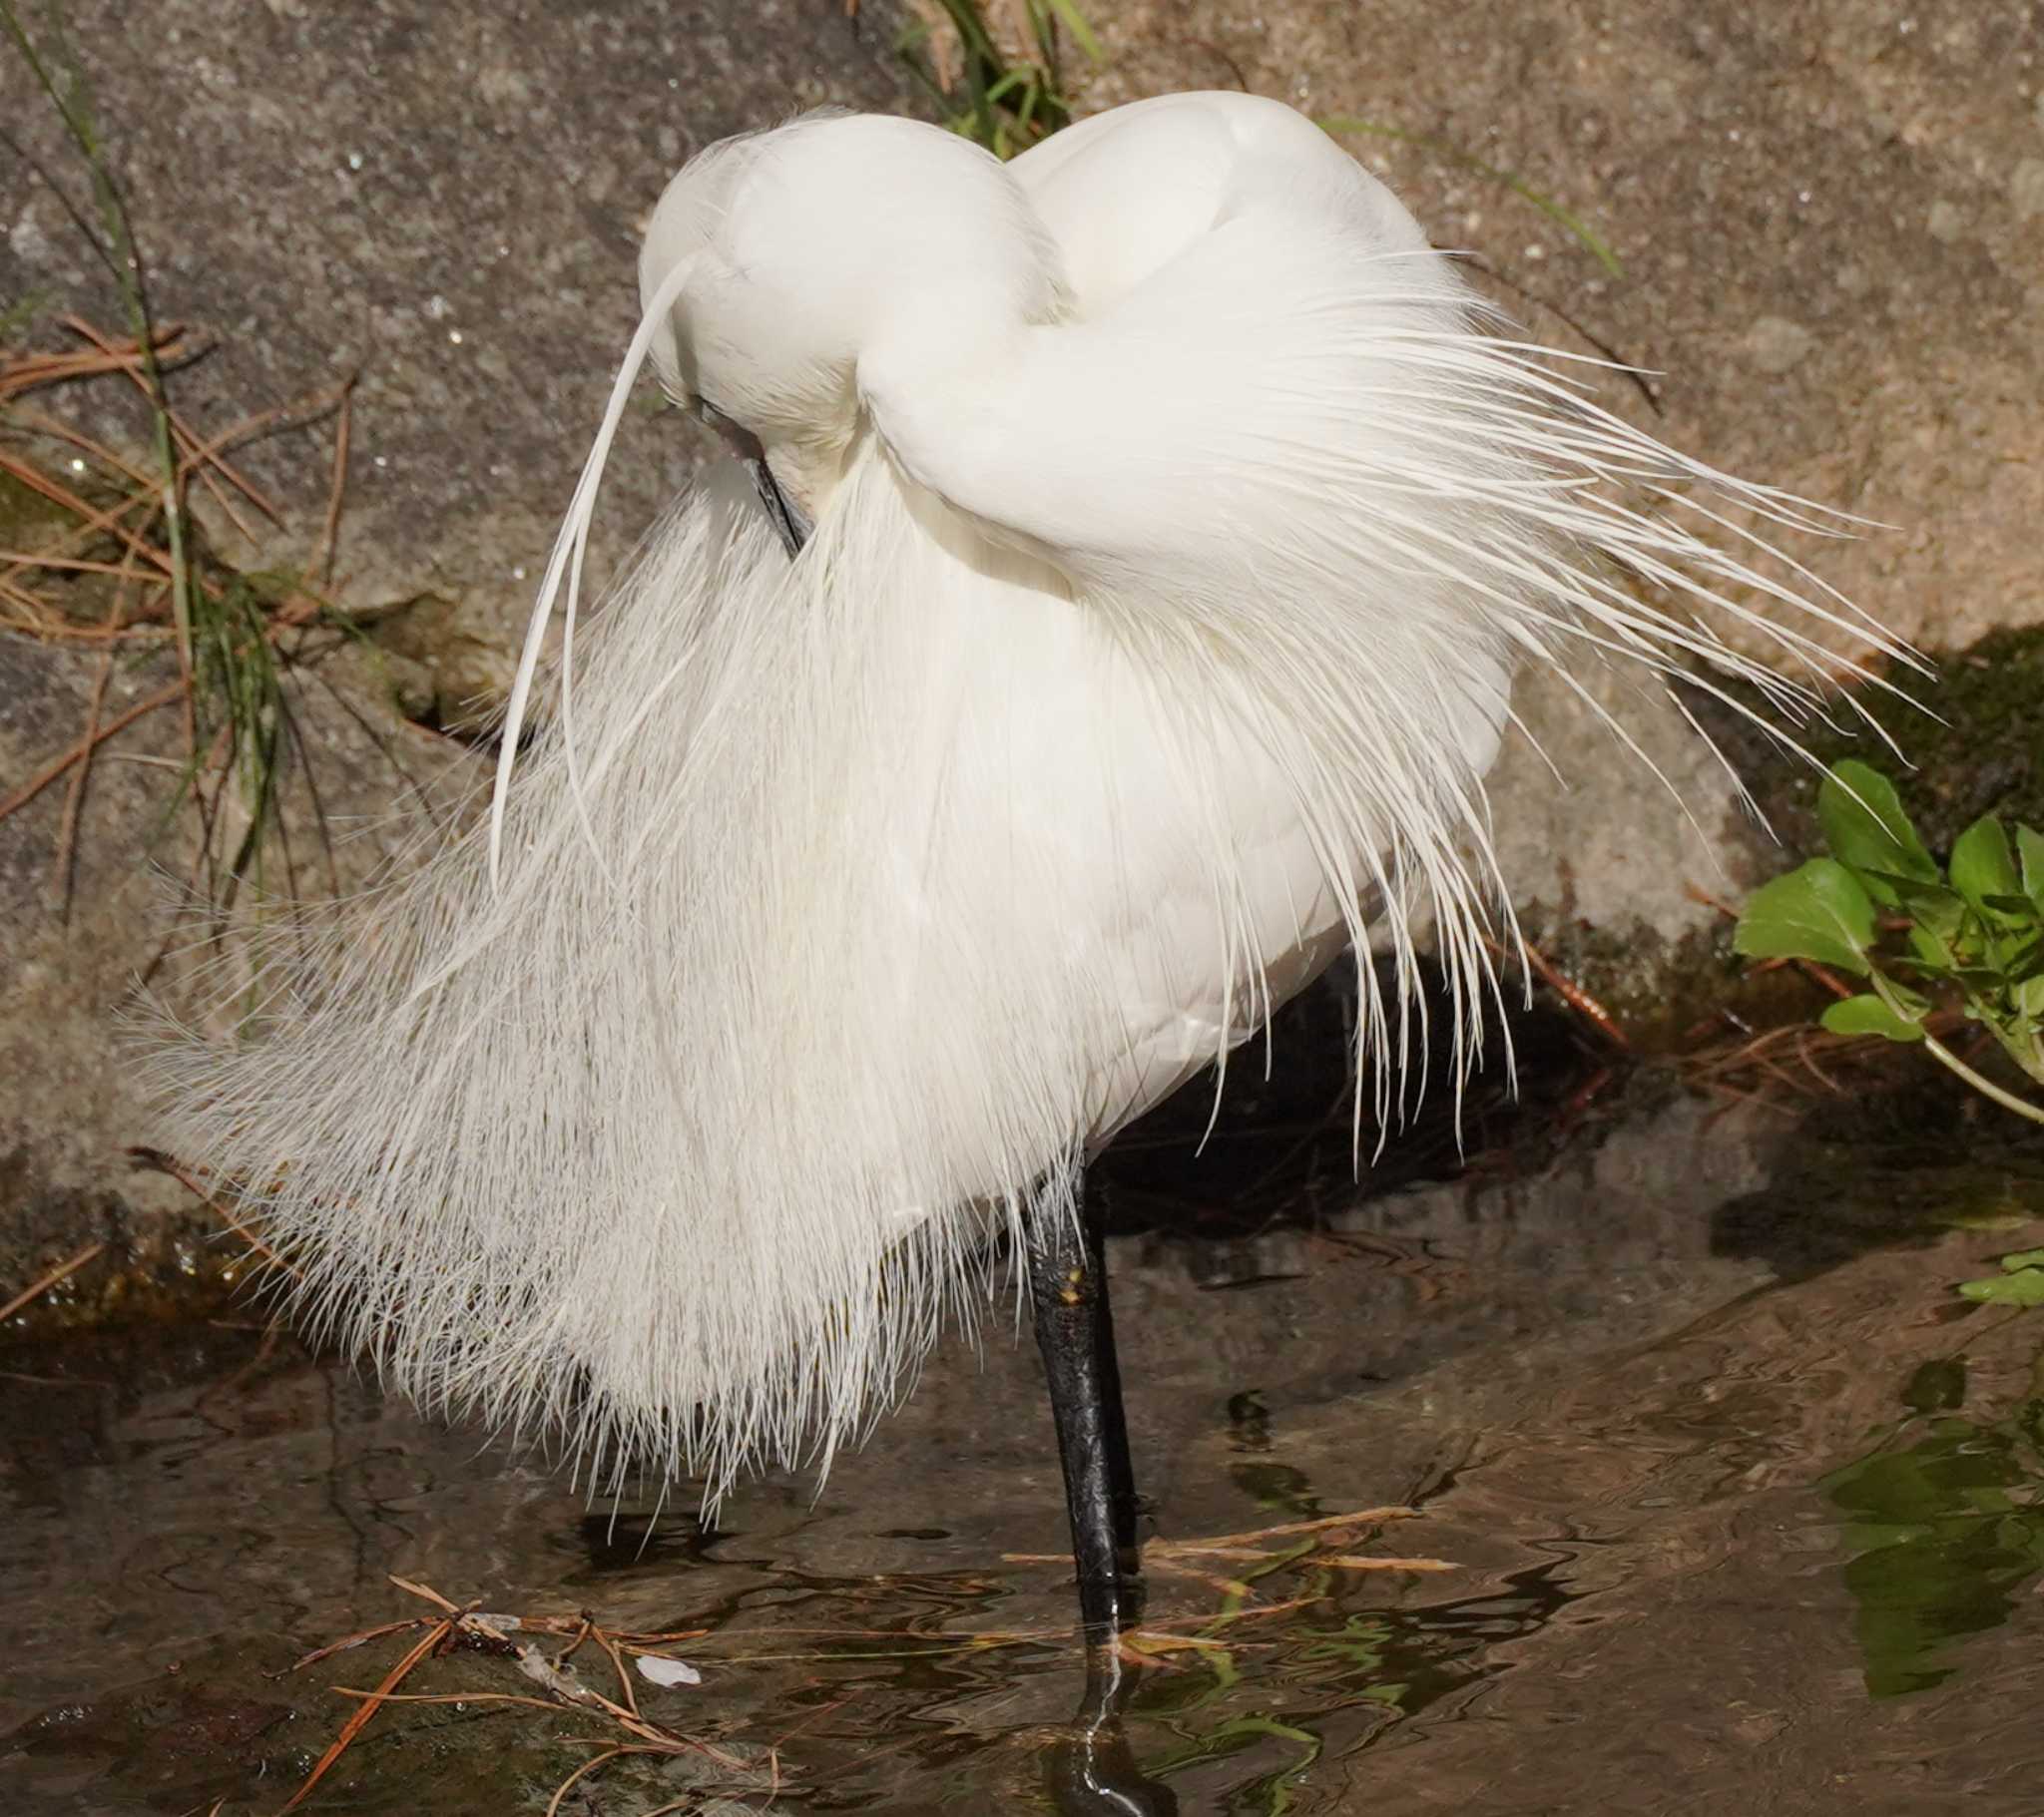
[[1067, 1292], [1091, 1771]]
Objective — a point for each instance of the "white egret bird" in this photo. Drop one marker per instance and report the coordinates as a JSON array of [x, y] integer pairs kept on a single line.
[[1112, 607]]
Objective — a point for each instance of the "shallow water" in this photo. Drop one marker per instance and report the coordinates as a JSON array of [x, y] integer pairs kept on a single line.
[[1736, 1507]]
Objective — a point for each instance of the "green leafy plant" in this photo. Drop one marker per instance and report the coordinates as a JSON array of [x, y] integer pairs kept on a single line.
[[1001, 86], [1882, 909], [2020, 1282]]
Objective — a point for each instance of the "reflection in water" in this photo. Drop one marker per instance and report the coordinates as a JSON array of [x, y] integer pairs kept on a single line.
[[1946, 1533], [1091, 1771], [1630, 1383], [1336, 1677]]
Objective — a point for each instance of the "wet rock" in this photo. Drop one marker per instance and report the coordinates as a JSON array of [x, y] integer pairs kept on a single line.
[[1982, 754], [76, 946]]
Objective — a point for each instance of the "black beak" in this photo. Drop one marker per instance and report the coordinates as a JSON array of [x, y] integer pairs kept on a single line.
[[794, 527]]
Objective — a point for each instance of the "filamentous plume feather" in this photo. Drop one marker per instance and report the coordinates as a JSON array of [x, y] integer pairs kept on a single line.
[[1157, 626]]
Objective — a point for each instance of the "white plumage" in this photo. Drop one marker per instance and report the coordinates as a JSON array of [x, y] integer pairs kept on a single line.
[[1177, 530]]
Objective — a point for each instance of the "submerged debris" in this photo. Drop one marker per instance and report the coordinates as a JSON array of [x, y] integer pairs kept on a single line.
[[456, 1628]]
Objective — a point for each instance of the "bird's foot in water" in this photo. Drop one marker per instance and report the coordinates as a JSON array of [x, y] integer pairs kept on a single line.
[[1091, 1770]]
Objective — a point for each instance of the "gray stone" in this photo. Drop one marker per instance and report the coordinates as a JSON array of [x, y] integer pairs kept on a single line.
[[444, 199], [1776, 345], [2026, 188], [335, 189]]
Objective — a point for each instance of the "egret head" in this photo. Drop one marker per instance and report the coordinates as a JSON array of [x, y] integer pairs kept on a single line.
[[775, 261]]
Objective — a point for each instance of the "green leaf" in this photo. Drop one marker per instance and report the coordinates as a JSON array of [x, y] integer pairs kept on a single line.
[[2025, 963], [1936, 1386], [1820, 911], [1932, 955], [1981, 978], [1939, 911], [1982, 864], [1921, 892], [1077, 24], [2031, 849], [1866, 827], [2025, 1287], [1868, 1015]]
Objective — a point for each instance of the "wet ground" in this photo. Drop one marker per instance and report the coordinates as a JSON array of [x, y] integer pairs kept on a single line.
[[1725, 1502]]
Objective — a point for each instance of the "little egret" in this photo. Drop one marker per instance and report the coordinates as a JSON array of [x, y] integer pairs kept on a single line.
[[1109, 610]]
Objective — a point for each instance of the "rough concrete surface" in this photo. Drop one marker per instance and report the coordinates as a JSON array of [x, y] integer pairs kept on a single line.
[[1830, 219], [443, 198]]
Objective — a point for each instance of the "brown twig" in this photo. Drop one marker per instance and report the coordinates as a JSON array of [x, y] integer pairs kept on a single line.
[[198, 458], [354, 1725], [426, 1591], [35, 480], [348, 1641], [73, 796], [69, 563], [43, 1283], [1178, 1568], [582, 1771], [143, 488], [1572, 994], [1363, 1562], [1170, 1553], [328, 545], [299, 413], [584, 1629], [450, 1623], [1368, 1517], [525, 1702], [627, 1696], [157, 1161], [23, 372]]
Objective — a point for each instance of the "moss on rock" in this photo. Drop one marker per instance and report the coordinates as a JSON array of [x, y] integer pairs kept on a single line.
[[1982, 752]]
